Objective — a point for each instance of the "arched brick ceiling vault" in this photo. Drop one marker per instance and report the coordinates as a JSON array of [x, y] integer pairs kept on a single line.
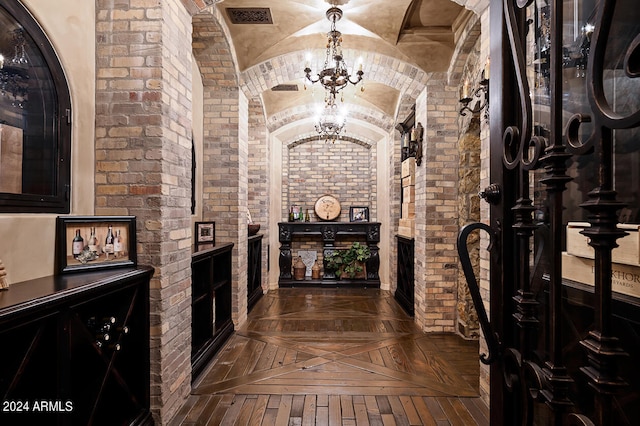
[[392, 42]]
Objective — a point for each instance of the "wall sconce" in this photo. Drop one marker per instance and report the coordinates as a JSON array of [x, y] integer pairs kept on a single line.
[[411, 142], [481, 93]]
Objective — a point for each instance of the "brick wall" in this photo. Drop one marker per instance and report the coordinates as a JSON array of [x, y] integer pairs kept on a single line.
[[259, 180], [436, 192], [345, 169], [225, 150], [143, 167]]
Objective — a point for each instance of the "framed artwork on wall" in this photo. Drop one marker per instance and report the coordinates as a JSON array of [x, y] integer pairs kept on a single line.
[[359, 214], [94, 242], [205, 234]]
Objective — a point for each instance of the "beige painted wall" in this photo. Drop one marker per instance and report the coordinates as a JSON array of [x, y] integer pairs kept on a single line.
[[28, 240]]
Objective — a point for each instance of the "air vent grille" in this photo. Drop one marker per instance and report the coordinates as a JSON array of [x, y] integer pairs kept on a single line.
[[250, 15], [285, 88]]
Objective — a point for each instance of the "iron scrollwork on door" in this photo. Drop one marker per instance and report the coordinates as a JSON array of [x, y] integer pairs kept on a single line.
[[538, 149]]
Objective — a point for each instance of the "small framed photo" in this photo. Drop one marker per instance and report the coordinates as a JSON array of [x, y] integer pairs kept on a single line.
[[359, 214], [95, 242], [205, 233]]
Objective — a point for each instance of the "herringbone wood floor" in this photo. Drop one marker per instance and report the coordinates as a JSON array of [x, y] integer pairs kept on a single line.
[[337, 356]]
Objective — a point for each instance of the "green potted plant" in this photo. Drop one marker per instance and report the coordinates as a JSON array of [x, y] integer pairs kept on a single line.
[[349, 263]]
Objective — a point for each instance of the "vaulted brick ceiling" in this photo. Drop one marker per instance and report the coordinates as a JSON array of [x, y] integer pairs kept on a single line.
[[401, 42]]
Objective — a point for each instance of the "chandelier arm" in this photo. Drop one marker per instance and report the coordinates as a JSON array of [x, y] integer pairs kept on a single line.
[[335, 77], [358, 80]]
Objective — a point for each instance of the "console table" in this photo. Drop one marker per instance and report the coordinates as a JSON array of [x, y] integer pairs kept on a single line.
[[329, 232]]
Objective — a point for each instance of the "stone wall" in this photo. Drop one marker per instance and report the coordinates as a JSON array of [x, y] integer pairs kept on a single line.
[[143, 167], [468, 212]]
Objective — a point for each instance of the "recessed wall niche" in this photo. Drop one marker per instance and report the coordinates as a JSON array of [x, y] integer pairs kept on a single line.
[[345, 169]]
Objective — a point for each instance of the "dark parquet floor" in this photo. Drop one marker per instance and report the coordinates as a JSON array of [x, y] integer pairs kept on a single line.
[[336, 357]]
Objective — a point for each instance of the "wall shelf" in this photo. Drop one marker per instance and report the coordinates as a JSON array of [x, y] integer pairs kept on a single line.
[[211, 290]]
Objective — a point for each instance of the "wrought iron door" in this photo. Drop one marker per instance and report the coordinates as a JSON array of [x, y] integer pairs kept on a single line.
[[565, 147]]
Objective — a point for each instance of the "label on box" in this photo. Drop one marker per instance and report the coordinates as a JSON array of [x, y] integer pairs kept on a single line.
[[625, 279]]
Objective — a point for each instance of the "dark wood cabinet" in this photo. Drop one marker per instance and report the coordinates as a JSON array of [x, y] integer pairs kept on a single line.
[[75, 349], [211, 289], [254, 270], [405, 270]]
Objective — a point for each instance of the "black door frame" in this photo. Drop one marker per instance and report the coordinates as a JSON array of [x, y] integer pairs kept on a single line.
[[525, 389]]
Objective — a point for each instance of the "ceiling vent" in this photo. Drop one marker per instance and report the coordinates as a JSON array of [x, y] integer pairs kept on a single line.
[[285, 88], [250, 15]]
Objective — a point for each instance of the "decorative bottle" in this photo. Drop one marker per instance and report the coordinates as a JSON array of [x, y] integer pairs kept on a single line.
[[117, 244], [108, 242], [291, 214], [77, 244], [307, 217], [93, 241]]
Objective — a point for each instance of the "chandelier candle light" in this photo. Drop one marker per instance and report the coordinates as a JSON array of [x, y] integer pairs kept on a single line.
[[335, 74]]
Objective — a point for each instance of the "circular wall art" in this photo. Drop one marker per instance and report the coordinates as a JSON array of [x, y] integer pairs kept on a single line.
[[327, 207]]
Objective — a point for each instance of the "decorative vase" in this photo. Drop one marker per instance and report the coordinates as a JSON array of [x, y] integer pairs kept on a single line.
[[315, 271], [299, 269], [253, 228]]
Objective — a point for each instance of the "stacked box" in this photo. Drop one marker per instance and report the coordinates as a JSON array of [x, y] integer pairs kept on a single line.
[[627, 252], [409, 167], [406, 227], [407, 221], [578, 263]]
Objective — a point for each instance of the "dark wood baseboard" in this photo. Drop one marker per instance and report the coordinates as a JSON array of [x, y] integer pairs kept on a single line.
[[307, 282]]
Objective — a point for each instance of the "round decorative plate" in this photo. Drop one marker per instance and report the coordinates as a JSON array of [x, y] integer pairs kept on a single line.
[[327, 207]]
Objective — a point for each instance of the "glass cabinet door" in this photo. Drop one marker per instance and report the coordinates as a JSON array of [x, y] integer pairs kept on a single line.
[[565, 269], [35, 134]]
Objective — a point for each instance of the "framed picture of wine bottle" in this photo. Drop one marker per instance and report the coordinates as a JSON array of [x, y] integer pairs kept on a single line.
[[95, 242]]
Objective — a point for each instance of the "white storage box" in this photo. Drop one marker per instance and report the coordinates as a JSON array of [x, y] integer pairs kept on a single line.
[[627, 252]]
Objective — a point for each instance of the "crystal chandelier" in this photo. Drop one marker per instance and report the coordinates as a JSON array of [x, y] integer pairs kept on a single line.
[[335, 74], [330, 123], [14, 75]]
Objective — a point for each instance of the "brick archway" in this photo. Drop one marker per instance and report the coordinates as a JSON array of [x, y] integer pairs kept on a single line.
[[225, 148]]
